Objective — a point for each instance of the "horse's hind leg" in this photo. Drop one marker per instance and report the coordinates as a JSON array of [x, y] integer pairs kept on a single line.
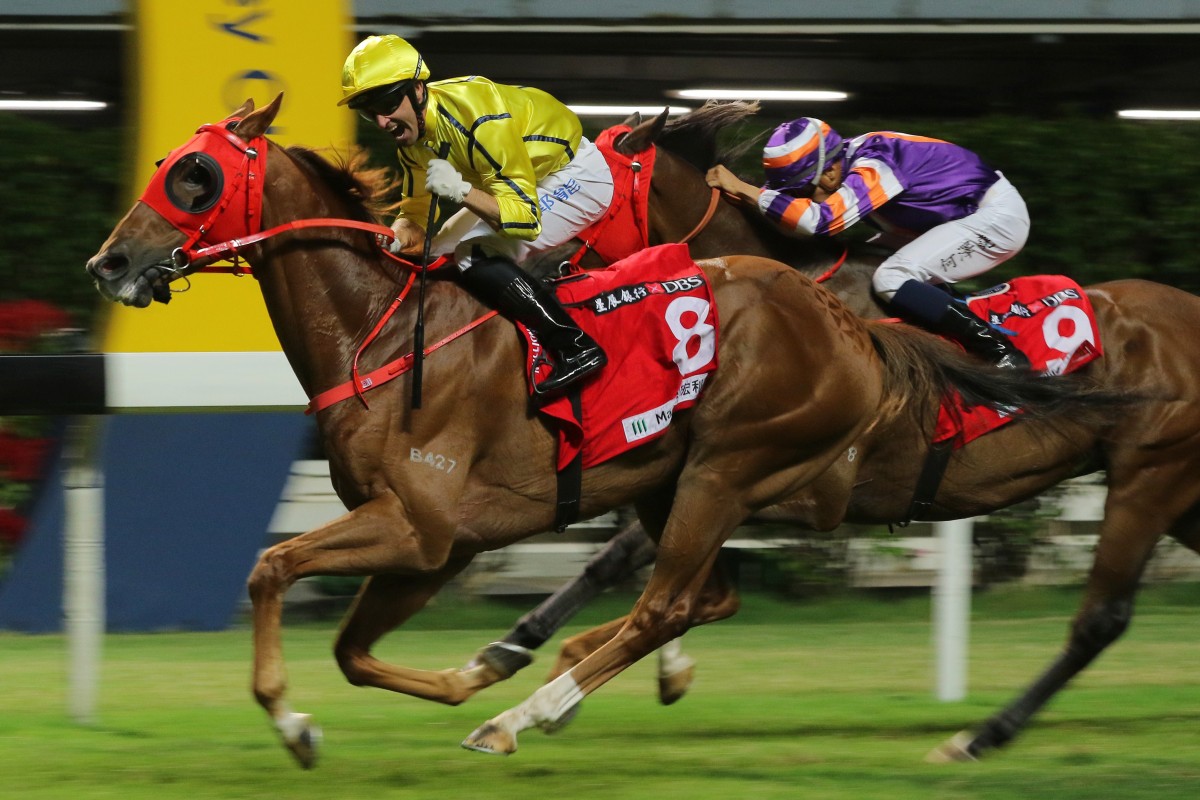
[[578, 647], [1133, 523], [675, 668]]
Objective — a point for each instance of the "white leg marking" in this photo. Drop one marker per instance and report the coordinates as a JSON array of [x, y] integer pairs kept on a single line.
[[544, 707], [672, 659]]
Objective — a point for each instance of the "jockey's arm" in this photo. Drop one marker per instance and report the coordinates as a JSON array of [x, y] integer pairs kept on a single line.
[[484, 206], [733, 187]]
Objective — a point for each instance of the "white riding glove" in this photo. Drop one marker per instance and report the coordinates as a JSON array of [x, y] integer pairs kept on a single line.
[[442, 179]]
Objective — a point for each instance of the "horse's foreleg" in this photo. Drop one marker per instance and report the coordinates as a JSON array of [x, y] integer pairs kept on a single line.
[[1124, 548], [383, 604], [377, 537], [663, 612], [622, 556], [578, 647]]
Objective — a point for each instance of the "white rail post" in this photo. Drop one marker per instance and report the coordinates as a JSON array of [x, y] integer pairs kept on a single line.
[[83, 568], [952, 608]]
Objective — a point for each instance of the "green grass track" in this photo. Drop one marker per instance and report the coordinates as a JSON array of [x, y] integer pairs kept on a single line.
[[823, 699]]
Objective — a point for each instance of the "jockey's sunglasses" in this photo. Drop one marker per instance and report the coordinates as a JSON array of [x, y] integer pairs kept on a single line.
[[382, 102]]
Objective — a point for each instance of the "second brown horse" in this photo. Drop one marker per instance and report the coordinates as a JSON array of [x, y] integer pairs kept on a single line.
[[1150, 453]]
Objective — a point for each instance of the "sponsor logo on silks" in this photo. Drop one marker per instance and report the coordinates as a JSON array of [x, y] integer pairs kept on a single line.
[[648, 423], [997, 289], [1015, 309], [634, 293], [548, 201], [535, 347], [1060, 297], [690, 388], [1035, 307]]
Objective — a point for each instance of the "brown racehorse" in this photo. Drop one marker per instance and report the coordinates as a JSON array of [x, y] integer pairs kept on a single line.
[[768, 428], [1150, 455]]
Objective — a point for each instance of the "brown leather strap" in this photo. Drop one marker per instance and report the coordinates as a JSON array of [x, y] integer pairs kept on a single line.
[[708, 215]]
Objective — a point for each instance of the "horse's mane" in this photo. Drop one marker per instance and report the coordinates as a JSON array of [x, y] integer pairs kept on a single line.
[[365, 190], [694, 136]]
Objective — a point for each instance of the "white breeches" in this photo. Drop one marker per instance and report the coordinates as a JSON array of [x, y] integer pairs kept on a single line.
[[570, 200], [963, 248]]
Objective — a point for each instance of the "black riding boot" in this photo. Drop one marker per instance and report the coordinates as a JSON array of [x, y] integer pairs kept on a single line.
[[940, 313], [514, 293], [980, 338]]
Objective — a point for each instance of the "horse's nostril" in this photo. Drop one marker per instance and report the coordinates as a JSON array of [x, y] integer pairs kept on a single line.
[[107, 266]]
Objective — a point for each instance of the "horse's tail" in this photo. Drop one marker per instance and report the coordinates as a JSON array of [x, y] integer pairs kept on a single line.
[[919, 365]]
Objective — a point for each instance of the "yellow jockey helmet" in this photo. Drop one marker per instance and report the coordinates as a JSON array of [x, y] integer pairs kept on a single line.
[[380, 61]]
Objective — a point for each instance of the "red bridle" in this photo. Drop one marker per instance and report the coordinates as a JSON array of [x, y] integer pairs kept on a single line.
[[234, 219]]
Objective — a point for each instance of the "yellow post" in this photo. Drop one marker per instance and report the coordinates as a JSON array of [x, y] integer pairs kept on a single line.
[[195, 62]]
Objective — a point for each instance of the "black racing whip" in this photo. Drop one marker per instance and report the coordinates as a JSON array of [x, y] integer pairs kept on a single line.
[[419, 329]]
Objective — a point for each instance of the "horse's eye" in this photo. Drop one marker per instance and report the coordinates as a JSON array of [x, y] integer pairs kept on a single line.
[[197, 176], [194, 183]]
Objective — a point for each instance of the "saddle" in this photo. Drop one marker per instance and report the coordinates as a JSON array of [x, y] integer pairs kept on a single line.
[[654, 315], [1050, 318]]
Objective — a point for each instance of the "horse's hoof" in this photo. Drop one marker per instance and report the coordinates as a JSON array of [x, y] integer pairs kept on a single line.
[[953, 751], [302, 738], [566, 719], [504, 658], [491, 738], [674, 686]]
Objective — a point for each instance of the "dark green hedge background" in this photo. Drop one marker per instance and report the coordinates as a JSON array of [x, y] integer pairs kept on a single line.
[[61, 191], [1108, 198]]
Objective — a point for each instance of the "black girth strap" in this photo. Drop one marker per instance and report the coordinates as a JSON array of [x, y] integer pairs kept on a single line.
[[570, 479], [929, 480]]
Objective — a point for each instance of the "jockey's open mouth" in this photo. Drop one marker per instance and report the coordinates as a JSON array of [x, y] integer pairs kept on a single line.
[[402, 133]]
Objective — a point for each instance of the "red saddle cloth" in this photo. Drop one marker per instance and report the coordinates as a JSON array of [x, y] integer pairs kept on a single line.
[[1052, 321], [653, 313]]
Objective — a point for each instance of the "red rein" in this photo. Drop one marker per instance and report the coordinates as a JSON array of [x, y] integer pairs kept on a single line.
[[242, 168]]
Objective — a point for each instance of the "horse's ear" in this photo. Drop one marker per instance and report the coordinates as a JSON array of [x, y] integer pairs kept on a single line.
[[633, 120], [644, 135], [244, 109], [256, 122]]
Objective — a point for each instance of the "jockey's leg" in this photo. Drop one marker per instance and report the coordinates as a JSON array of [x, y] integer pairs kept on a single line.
[[955, 251], [937, 311], [514, 293]]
